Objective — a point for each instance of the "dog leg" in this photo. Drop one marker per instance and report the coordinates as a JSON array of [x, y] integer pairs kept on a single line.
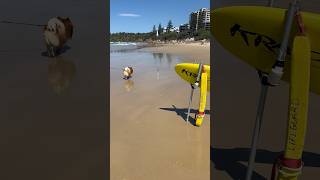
[[48, 51], [53, 51]]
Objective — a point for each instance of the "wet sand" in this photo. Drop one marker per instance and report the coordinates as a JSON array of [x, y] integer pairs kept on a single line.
[[150, 138], [236, 90], [53, 110], [192, 51]]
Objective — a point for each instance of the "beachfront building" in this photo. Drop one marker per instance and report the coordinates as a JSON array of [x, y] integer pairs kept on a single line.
[[164, 29], [200, 20], [173, 29], [184, 27]]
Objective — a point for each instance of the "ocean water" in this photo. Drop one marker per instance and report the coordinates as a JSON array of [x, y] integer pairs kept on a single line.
[[146, 65], [124, 46]]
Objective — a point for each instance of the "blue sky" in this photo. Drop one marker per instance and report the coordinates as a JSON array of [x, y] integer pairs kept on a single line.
[[141, 15]]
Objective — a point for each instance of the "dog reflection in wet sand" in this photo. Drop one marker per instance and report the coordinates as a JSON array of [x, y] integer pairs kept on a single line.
[[60, 74], [128, 85], [127, 73], [56, 33]]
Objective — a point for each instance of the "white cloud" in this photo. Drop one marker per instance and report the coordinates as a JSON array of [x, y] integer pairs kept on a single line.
[[129, 15]]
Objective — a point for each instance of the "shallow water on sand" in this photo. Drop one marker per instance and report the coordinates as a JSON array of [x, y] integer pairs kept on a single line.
[[150, 138]]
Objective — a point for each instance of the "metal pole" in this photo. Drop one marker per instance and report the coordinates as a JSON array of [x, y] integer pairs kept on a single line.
[[196, 83], [190, 100]]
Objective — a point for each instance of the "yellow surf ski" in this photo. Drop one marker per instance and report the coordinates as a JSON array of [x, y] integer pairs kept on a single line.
[[189, 73], [203, 98], [290, 165], [254, 34]]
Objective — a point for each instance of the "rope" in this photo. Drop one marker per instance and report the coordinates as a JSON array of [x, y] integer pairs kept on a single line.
[[27, 24]]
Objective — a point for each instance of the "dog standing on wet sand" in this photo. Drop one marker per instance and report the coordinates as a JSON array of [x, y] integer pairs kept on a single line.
[[56, 33], [127, 73]]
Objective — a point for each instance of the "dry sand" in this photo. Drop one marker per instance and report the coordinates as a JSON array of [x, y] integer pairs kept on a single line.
[[236, 90], [149, 137]]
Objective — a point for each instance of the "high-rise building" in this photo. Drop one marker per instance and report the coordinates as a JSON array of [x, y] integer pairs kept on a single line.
[[200, 19], [184, 27]]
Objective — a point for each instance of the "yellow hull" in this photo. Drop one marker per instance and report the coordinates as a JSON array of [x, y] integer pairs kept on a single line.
[[254, 35], [189, 71]]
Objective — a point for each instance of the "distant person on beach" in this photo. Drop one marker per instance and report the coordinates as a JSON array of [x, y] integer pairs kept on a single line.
[[56, 33]]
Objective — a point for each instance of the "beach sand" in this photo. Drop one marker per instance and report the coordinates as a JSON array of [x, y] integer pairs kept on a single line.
[[236, 89], [150, 138], [43, 134]]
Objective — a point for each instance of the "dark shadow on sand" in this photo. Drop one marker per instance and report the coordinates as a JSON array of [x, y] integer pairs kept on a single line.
[[63, 50], [228, 160], [183, 112]]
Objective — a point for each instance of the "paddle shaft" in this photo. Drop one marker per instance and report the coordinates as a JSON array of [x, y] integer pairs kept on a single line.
[[271, 3], [273, 79], [277, 70], [189, 106], [258, 123], [192, 90], [257, 128], [199, 73]]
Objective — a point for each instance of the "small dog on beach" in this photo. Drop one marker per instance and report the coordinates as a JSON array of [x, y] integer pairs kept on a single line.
[[56, 33], [127, 73]]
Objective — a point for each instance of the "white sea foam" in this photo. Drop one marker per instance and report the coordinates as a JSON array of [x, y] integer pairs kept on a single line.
[[123, 43]]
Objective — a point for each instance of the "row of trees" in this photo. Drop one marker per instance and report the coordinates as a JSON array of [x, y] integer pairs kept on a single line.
[[162, 36], [130, 37], [161, 29]]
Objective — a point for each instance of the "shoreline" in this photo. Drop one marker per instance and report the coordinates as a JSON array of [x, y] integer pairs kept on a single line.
[[197, 51]]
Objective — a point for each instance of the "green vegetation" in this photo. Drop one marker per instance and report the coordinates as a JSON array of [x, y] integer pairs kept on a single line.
[[169, 26], [167, 36], [131, 37], [160, 29], [202, 34], [142, 37]]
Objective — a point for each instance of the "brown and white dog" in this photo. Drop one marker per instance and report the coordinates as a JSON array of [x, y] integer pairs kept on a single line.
[[127, 72], [56, 33]]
